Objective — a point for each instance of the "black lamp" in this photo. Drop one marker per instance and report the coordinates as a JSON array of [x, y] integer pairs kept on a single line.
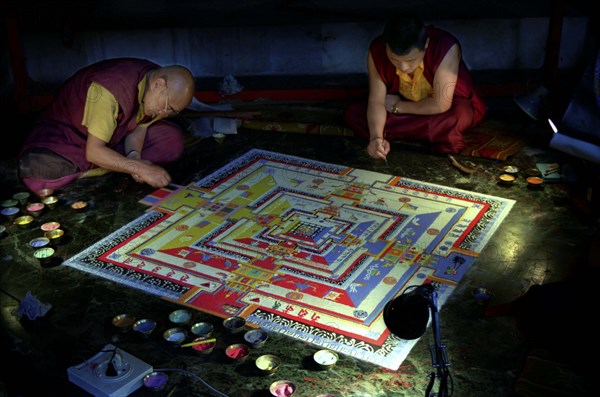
[[407, 317]]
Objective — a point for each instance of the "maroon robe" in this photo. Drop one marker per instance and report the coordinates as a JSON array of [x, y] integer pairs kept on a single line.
[[443, 131], [61, 131]]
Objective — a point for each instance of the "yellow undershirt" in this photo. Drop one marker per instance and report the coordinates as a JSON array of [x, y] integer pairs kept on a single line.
[[415, 88], [102, 109]]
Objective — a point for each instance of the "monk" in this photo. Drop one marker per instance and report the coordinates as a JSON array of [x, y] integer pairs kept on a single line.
[[109, 116], [420, 90]]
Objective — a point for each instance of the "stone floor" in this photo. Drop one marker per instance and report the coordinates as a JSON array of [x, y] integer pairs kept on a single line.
[[542, 241]]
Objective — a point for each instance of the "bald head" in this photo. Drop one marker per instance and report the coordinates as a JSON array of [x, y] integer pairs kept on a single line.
[[180, 83]]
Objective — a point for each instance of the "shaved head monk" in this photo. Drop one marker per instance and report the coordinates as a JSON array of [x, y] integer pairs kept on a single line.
[[109, 117], [419, 90]]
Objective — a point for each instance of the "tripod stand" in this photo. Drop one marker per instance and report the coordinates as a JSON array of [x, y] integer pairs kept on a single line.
[[439, 358], [407, 317]]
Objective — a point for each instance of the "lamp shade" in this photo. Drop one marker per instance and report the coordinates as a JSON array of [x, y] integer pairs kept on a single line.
[[407, 315]]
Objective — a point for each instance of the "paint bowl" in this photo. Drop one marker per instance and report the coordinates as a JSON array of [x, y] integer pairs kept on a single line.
[[219, 137], [144, 326], [506, 179], [511, 170], [9, 203], [39, 242], [238, 352], [50, 201], [325, 359], [24, 221], [282, 388], [45, 192], [204, 348], [55, 236], [21, 197], [256, 337], [49, 226], [175, 335], [234, 325], [10, 212], [35, 209], [534, 182], [203, 329], [180, 317], [79, 206], [268, 364], [156, 381], [44, 255], [123, 322], [2, 231]]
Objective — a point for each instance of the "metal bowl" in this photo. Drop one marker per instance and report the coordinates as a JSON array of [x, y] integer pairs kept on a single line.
[[256, 337], [24, 221], [123, 321], [282, 388], [156, 381], [238, 352], [144, 326], [203, 329], [268, 364], [181, 316], [325, 359], [175, 336], [234, 324]]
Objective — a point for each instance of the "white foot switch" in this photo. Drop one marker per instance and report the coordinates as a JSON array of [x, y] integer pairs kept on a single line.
[[112, 372]]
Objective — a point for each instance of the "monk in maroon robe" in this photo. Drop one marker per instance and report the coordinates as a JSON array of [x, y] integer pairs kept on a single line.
[[419, 90], [109, 117]]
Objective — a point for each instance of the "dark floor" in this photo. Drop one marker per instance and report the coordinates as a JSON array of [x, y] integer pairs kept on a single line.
[[543, 240]]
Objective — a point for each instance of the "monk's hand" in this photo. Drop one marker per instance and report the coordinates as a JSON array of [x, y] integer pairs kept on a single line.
[[378, 148], [153, 175]]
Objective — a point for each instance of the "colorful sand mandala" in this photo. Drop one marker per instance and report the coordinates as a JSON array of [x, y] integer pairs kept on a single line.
[[304, 248]]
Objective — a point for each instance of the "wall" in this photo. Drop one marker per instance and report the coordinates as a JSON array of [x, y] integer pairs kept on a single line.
[[311, 49]]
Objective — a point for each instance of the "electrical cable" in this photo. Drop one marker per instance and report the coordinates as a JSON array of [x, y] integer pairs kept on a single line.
[[110, 368], [194, 376]]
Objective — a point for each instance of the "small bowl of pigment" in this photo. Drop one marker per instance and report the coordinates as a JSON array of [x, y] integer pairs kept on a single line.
[[39, 242], [144, 326], [55, 236], [534, 182], [325, 359], [49, 226], [44, 255], [50, 201], [21, 197], [180, 317], [203, 329], [268, 364], [234, 324], [256, 337], [204, 348], [24, 221], [156, 381], [511, 170], [282, 388], [9, 203], [10, 212], [506, 179], [238, 352], [175, 335], [45, 192], [123, 322], [36, 209], [79, 206]]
